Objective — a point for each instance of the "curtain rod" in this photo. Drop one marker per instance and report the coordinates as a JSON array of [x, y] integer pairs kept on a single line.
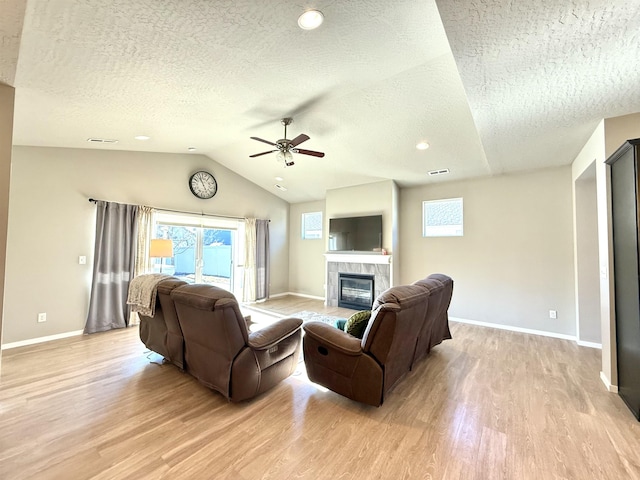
[[93, 200]]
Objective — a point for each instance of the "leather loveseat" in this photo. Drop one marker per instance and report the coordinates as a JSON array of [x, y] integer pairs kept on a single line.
[[406, 322]]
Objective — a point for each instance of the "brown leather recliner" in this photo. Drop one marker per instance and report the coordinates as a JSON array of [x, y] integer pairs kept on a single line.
[[222, 354], [161, 333], [436, 324], [401, 328]]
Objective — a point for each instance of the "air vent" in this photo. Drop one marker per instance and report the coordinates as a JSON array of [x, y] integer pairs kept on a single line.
[[280, 187], [443, 171], [101, 140]]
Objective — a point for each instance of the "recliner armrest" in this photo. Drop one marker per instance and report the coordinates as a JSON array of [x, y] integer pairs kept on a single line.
[[334, 338], [273, 334]]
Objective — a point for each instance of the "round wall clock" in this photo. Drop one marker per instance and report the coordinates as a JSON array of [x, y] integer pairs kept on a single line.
[[203, 185]]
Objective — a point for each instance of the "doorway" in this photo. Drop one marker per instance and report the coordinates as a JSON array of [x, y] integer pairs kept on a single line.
[[588, 329], [205, 249]]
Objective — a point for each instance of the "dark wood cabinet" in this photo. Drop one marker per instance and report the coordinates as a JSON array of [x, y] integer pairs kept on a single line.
[[626, 228]]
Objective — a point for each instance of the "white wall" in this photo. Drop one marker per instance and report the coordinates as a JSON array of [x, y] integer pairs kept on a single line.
[[515, 260], [618, 130], [395, 234], [7, 95], [51, 223], [586, 254], [369, 199], [306, 257], [589, 260]]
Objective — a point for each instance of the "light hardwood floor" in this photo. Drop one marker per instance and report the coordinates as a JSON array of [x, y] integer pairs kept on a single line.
[[488, 404], [289, 304]]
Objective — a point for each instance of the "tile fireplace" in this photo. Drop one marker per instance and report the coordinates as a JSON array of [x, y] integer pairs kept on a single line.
[[375, 265]]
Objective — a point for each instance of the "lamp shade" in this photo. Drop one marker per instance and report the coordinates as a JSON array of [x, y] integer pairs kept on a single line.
[[161, 247]]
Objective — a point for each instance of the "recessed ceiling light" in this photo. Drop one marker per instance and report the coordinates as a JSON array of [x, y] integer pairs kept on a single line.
[[279, 179], [310, 19], [192, 149], [142, 137], [422, 146], [280, 187]]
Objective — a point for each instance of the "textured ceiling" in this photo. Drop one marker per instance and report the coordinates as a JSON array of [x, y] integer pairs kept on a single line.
[[540, 75], [10, 30], [522, 85]]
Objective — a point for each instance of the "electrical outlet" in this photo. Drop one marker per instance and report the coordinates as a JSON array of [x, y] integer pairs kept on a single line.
[[553, 314], [42, 317], [82, 260]]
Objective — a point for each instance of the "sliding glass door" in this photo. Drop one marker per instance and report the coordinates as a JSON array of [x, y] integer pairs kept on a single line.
[[203, 253], [216, 258]]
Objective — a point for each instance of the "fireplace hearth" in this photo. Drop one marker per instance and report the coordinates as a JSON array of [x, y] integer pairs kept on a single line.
[[355, 291]]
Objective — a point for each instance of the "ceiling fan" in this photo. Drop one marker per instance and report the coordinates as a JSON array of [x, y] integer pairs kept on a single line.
[[286, 147]]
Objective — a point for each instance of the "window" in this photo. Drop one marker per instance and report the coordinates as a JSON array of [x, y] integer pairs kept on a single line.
[[312, 226], [442, 218]]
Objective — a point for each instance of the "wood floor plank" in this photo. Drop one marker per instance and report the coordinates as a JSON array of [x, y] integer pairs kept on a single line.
[[487, 404]]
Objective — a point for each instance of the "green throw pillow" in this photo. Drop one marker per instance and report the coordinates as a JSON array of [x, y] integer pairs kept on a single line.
[[357, 323]]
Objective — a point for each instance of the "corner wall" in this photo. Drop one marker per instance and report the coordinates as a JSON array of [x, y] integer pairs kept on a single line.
[[51, 223], [618, 130], [369, 199], [306, 257], [590, 258], [7, 95]]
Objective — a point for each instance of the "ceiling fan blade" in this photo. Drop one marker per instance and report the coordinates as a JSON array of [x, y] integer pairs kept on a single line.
[[299, 139], [309, 152], [263, 153], [261, 140]]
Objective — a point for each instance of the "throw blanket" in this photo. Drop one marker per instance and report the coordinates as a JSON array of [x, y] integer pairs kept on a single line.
[[142, 293]]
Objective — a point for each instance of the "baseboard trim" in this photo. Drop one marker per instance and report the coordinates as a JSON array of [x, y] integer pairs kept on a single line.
[[295, 294], [276, 295], [529, 331], [607, 383], [499, 326], [589, 344], [33, 341]]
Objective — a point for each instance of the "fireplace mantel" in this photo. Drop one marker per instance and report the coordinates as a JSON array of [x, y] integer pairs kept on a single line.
[[358, 258]]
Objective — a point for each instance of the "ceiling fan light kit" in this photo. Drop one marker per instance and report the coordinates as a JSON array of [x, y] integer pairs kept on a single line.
[[286, 147], [285, 157]]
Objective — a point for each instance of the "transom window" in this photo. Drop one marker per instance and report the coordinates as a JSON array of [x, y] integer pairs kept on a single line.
[[442, 218], [312, 226]]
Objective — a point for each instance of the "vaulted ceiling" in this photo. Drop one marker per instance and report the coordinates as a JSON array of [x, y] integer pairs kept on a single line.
[[494, 86]]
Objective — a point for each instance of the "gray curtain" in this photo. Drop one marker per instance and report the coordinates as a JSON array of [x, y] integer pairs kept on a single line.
[[262, 259], [113, 266]]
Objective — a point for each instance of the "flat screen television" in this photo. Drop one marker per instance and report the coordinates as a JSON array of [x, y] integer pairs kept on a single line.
[[360, 234]]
